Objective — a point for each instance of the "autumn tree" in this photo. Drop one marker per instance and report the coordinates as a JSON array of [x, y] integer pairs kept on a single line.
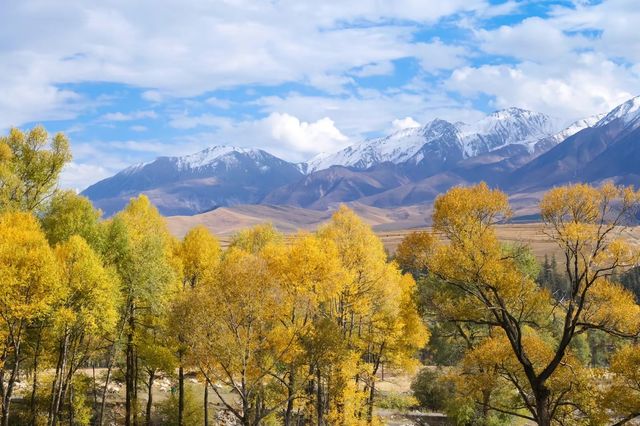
[[29, 287], [85, 315], [68, 214], [309, 274], [623, 395], [145, 263], [30, 164], [485, 286], [199, 255], [376, 317], [234, 335]]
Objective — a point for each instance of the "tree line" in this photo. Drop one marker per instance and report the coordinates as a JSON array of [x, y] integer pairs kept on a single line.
[[287, 333], [299, 332]]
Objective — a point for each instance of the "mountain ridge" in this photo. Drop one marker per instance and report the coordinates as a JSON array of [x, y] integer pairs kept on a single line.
[[515, 149]]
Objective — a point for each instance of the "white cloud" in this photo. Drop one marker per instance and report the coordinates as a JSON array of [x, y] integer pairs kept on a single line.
[[152, 96], [188, 48], [131, 116], [304, 138], [218, 103], [593, 85], [186, 121], [78, 176], [533, 39], [437, 55], [376, 69], [404, 123]]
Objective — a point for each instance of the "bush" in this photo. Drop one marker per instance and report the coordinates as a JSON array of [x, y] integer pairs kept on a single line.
[[397, 401], [193, 409], [431, 392]]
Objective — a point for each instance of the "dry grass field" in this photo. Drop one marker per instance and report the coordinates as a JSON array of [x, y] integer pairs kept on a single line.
[[392, 225]]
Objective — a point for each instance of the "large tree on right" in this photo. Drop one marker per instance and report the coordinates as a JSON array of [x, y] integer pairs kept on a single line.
[[530, 357]]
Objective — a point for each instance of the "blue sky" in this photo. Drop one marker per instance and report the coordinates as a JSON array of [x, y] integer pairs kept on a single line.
[[130, 81]]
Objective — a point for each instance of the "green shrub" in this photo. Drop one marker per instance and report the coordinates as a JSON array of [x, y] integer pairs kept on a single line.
[[193, 409], [397, 401], [431, 392]]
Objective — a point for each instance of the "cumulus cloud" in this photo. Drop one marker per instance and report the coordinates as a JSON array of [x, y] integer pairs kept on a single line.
[[594, 85], [404, 123], [303, 137]]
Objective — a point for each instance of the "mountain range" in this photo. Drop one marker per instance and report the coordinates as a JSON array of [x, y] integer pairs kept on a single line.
[[520, 151]]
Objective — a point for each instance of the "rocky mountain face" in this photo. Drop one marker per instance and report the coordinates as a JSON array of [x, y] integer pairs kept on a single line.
[[215, 177], [517, 150]]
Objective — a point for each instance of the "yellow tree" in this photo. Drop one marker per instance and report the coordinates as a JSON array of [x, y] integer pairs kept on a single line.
[[85, 315], [375, 311], [309, 274], [200, 257], [29, 286], [144, 256], [234, 337], [30, 164], [492, 290], [69, 214], [623, 395]]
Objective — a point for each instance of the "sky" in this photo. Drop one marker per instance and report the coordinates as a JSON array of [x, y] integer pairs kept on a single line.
[[129, 81]]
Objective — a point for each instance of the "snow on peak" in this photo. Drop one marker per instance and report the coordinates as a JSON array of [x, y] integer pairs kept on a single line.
[[628, 112], [500, 128], [397, 147], [508, 126], [211, 155], [577, 126]]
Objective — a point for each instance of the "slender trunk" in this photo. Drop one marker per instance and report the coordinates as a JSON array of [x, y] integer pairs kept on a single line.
[[103, 399], [206, 403], [71, 410], [136, 401], [372, 392], [288, 414], [57, 380], [152, 375], [34, 386], [10, 385], [320, 408], [181, 394], [95, 386], [129, 370]]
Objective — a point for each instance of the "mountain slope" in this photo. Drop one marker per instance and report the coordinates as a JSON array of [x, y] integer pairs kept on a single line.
[[442, 141], [217, 176], [608, 150]]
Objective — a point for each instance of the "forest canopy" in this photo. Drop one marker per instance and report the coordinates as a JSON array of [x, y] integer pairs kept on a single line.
[[300, 330]]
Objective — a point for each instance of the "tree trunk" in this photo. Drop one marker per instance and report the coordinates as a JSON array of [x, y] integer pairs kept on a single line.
[[10, 385], [181, 395], [130, 367], [542, 406], [103, 400], [288, 414], [34, 386], [136, 401], [56, 386], [206, 403], [152, 375], [320, 408], [372, 392], [71, 413]]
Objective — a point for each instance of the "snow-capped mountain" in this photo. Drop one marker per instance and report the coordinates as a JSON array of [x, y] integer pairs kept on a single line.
[[606, 150], [221, 175], [517, 150], [506, 127], [628, 113], [499, 129]]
